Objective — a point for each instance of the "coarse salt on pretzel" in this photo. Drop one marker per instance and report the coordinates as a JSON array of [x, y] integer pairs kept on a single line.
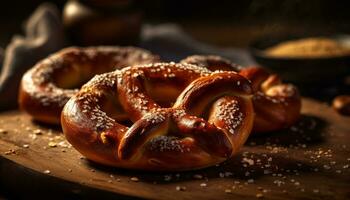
[[277, 105], [182, 117], [47, 86]]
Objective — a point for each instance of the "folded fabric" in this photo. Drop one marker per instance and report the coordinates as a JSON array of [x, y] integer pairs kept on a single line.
[[43, 35]]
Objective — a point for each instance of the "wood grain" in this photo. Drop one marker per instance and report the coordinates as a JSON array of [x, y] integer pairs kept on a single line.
[[309, 161]]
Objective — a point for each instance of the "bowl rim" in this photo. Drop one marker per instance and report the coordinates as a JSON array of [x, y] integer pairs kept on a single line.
[[257, 51]]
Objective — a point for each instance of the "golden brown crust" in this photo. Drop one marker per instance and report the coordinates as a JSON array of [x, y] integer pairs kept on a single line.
[[194, 131], [47, 86], [277, 105]]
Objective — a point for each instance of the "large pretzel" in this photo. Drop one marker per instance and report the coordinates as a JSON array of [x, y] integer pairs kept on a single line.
[[182, 117], [277, 105], [47, 86]]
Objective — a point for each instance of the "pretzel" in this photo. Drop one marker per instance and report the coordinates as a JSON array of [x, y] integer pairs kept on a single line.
[[162, 117], [341, 104], [277, 105], [47, 86]]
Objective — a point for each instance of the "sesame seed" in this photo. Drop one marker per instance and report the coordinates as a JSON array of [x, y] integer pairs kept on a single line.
[[228, 191], [167, 178], [3, 131], [259, 195], [134, 179], [37, 132], [197, 176], [326, 167], [52, 144]]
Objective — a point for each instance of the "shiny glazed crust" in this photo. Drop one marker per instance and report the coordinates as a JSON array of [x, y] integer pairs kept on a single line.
[[181, 117]]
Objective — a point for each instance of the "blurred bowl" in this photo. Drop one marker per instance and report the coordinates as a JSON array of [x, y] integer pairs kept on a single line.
[[303, 70]]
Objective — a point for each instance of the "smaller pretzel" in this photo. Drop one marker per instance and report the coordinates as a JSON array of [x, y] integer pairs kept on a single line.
[[277, 105], [46, 87], [341, 104]]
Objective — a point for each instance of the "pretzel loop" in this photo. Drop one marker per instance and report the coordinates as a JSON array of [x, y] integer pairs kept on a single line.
[[54, 80]]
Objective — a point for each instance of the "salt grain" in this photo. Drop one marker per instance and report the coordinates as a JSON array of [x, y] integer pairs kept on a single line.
[[134, 179]]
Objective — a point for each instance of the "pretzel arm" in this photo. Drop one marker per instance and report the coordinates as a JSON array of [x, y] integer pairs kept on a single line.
[[140, 133], [207, 136], [201, 95]]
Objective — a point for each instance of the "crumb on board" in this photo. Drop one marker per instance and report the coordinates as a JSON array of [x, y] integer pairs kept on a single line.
[[259, 195], [134, 179], [180, 188], [3, 131]]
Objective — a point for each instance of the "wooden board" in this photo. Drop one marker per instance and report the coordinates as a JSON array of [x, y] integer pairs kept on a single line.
[[309, 161]]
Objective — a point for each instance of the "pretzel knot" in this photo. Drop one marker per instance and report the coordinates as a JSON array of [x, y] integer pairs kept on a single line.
[[162, 116], [277, 105]]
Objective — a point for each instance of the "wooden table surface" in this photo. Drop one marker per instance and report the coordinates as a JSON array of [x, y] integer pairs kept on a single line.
[[308, 161]]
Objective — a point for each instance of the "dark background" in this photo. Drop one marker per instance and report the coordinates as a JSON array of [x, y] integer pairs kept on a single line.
[[237, 22], [223, 23]]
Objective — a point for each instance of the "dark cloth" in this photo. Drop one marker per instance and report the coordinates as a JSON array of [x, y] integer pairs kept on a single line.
[[173, 44], [43, 35]]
